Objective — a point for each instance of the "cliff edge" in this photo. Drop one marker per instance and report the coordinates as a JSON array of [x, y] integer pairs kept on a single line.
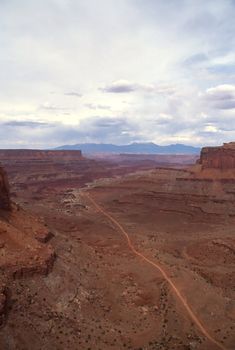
[[222, 157], [23, 245], [4, 191], [32, 154]]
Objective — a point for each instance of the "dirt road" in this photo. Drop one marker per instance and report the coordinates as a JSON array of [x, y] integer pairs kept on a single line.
[[174, 288]]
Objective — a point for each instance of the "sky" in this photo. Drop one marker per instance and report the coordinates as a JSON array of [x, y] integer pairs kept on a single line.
[[76, 71]]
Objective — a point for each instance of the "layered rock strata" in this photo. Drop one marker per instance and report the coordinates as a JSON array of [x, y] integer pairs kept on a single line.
[[13, 154], [222, 157], [23, 251]]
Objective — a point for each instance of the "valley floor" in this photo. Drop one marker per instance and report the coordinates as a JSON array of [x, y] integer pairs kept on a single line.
[[99, 294]]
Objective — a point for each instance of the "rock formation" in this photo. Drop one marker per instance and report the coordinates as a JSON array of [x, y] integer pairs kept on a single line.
[[23, 248], [4, 191], [28, 154], [222, 158]]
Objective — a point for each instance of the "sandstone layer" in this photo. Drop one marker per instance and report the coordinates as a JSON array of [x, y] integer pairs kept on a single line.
[[222, 157], [39, 154]]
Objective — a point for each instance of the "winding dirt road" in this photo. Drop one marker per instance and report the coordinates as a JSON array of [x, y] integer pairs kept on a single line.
[[175, 290]]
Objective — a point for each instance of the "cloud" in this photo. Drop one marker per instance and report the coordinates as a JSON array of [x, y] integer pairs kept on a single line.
[[26, 124], [221, 92], [171, 61], [73, 94], [93, 129], [210, 128], [94, 106], [107, 129], [125, 86], [221, 96], [50, 107], [226, 104], [196, 59], [120, 86], [164, 119], [222, 69]]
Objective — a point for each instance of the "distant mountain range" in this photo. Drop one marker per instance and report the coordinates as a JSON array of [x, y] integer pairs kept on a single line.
[[134, 148]]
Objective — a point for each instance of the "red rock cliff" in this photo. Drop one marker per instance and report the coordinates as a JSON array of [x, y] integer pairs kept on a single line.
[[222, 157], [14, 154], [4, 191]]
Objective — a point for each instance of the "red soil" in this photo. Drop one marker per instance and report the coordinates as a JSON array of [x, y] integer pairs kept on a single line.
[[99, 295]]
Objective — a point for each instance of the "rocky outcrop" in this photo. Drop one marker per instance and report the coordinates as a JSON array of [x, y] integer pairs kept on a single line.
[[23, 252], [23, 249], [222, 157], [4, 191]]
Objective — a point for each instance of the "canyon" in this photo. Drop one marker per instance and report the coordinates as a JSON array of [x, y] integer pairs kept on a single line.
[[68, 276]]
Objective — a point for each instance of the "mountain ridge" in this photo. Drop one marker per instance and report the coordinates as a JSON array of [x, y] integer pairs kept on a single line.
[[135, 147]]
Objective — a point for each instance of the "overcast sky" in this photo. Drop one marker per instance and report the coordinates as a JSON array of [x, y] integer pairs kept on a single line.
[[116, 71]]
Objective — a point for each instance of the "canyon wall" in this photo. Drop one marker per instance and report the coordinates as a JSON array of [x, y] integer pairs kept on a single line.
[[28, 154], [222, 157], [4, 190]]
